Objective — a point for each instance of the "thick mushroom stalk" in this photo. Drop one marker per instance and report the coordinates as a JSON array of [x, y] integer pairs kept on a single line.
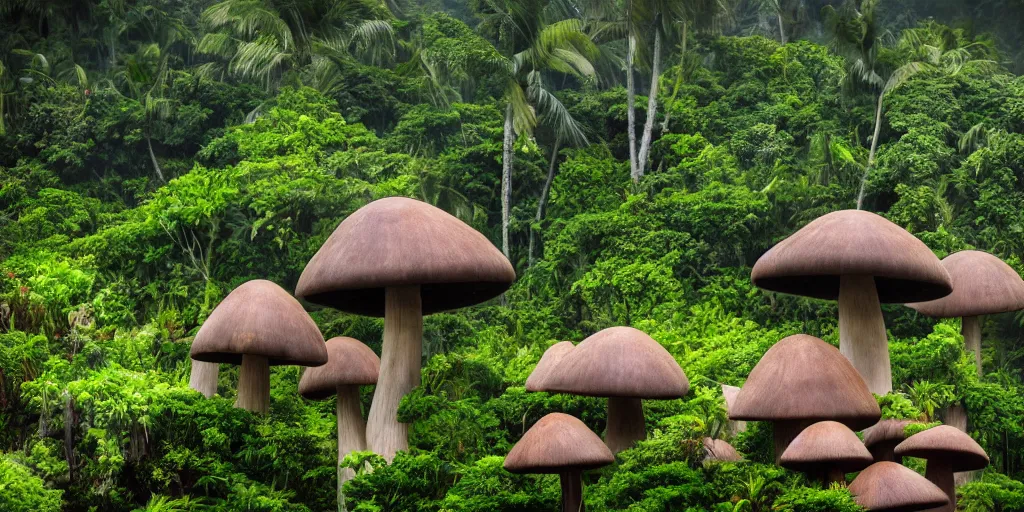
[[970, 327], [400, 363], [940, 473], [947, 451], [203, 377], [626, 423], [254, 384], [862, 337], [572, 491]]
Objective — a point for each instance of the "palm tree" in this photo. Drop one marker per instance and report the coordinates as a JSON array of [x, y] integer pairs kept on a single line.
[[528, 47]]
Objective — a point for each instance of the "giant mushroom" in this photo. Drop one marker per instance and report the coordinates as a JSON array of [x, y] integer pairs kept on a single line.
[[862, 260], [563, 445], [800, 381], [882, 437], [402, 259], [625, 365], [826, 451], [982, 285], [259, 325], [948, 450], [552, 356], [889, 487]]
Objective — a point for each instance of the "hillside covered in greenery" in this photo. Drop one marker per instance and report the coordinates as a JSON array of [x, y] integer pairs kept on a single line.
[[156, 154]]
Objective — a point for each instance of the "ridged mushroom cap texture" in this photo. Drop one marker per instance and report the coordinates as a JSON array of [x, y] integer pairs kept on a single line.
[[557, 443], [826, 444], [885, 431], [552, 356], [349, 363], [260, 318], [718, 450], [891, 487], [619, 362], [803, 378], [946, 443], [982, 285], [399, 241], [852, 242]]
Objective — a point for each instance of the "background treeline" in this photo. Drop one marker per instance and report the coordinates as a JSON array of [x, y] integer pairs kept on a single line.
[[156, 154]]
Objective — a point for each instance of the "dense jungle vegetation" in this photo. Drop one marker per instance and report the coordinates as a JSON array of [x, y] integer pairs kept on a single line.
[[155, 154]]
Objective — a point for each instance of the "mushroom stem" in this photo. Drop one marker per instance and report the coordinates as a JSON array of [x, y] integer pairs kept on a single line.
[[862, 337], [399, 369], [625, 424], [203, 377], [883, 452], [833, 475], [971, 329], [940, 473], [572, 491], [351, 434], [254, 384], [784, 432]]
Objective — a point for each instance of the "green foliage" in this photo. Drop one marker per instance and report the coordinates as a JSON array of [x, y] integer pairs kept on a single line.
[[21, 491]]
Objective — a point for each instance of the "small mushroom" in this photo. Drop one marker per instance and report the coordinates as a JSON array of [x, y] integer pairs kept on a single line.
[[882, 437], [862, 260], [718, 450], [625, 365], [826, 451], [982, 285], [800, 381], [889, 487], [259, 325], [350, 364], [401, 259], [947, 450], [552, 356], [563, 445]]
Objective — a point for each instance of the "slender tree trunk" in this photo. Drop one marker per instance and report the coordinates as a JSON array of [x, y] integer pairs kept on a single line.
[[152, 156], [679, 81], [634, 170], [782, 28], [871, 154], [203, 377], [652, 105], [507, 154], [543, 197]]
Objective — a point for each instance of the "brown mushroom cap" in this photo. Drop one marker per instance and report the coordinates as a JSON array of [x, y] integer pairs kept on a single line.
[[718, 450], [619, 362], [552, 356], [887, 486], [557, 443], [349, 363], [852, 242], [982, 285], [946, 443], [886, 431], [826, 444], [260, 318], [398, 241], [804, 378]]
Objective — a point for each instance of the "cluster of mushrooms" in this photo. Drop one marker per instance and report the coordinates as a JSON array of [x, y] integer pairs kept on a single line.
[[402, 259]]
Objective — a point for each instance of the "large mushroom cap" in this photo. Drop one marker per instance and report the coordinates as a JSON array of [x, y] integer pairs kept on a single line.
[[557, 443], [982, 285], [398, 241], [852, 242], [259, 318], [804, 378], [718, 450], [890, 487], [947, 443], [552, 356], [885, 431], [349, 363], [826, 444], [619, 362]]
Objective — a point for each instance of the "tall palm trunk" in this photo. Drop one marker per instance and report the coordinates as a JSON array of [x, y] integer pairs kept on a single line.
[[652, 104], [871, 154], [782, 27], [634, 170], [543, 198], [152, 156], [507, 153], [679, 82]]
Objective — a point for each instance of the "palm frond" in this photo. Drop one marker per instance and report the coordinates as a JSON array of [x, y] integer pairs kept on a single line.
[[554, 113]]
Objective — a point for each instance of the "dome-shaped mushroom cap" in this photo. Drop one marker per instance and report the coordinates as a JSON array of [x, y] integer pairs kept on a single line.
[[982, 285], [260, 318], [349, 363], [885, 431], [826, 444], [556, 443], [552, 356], [398, 241], [852, 242], [718, 450], [890, 487], [804, 378], [947, 443], [619, 362]]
